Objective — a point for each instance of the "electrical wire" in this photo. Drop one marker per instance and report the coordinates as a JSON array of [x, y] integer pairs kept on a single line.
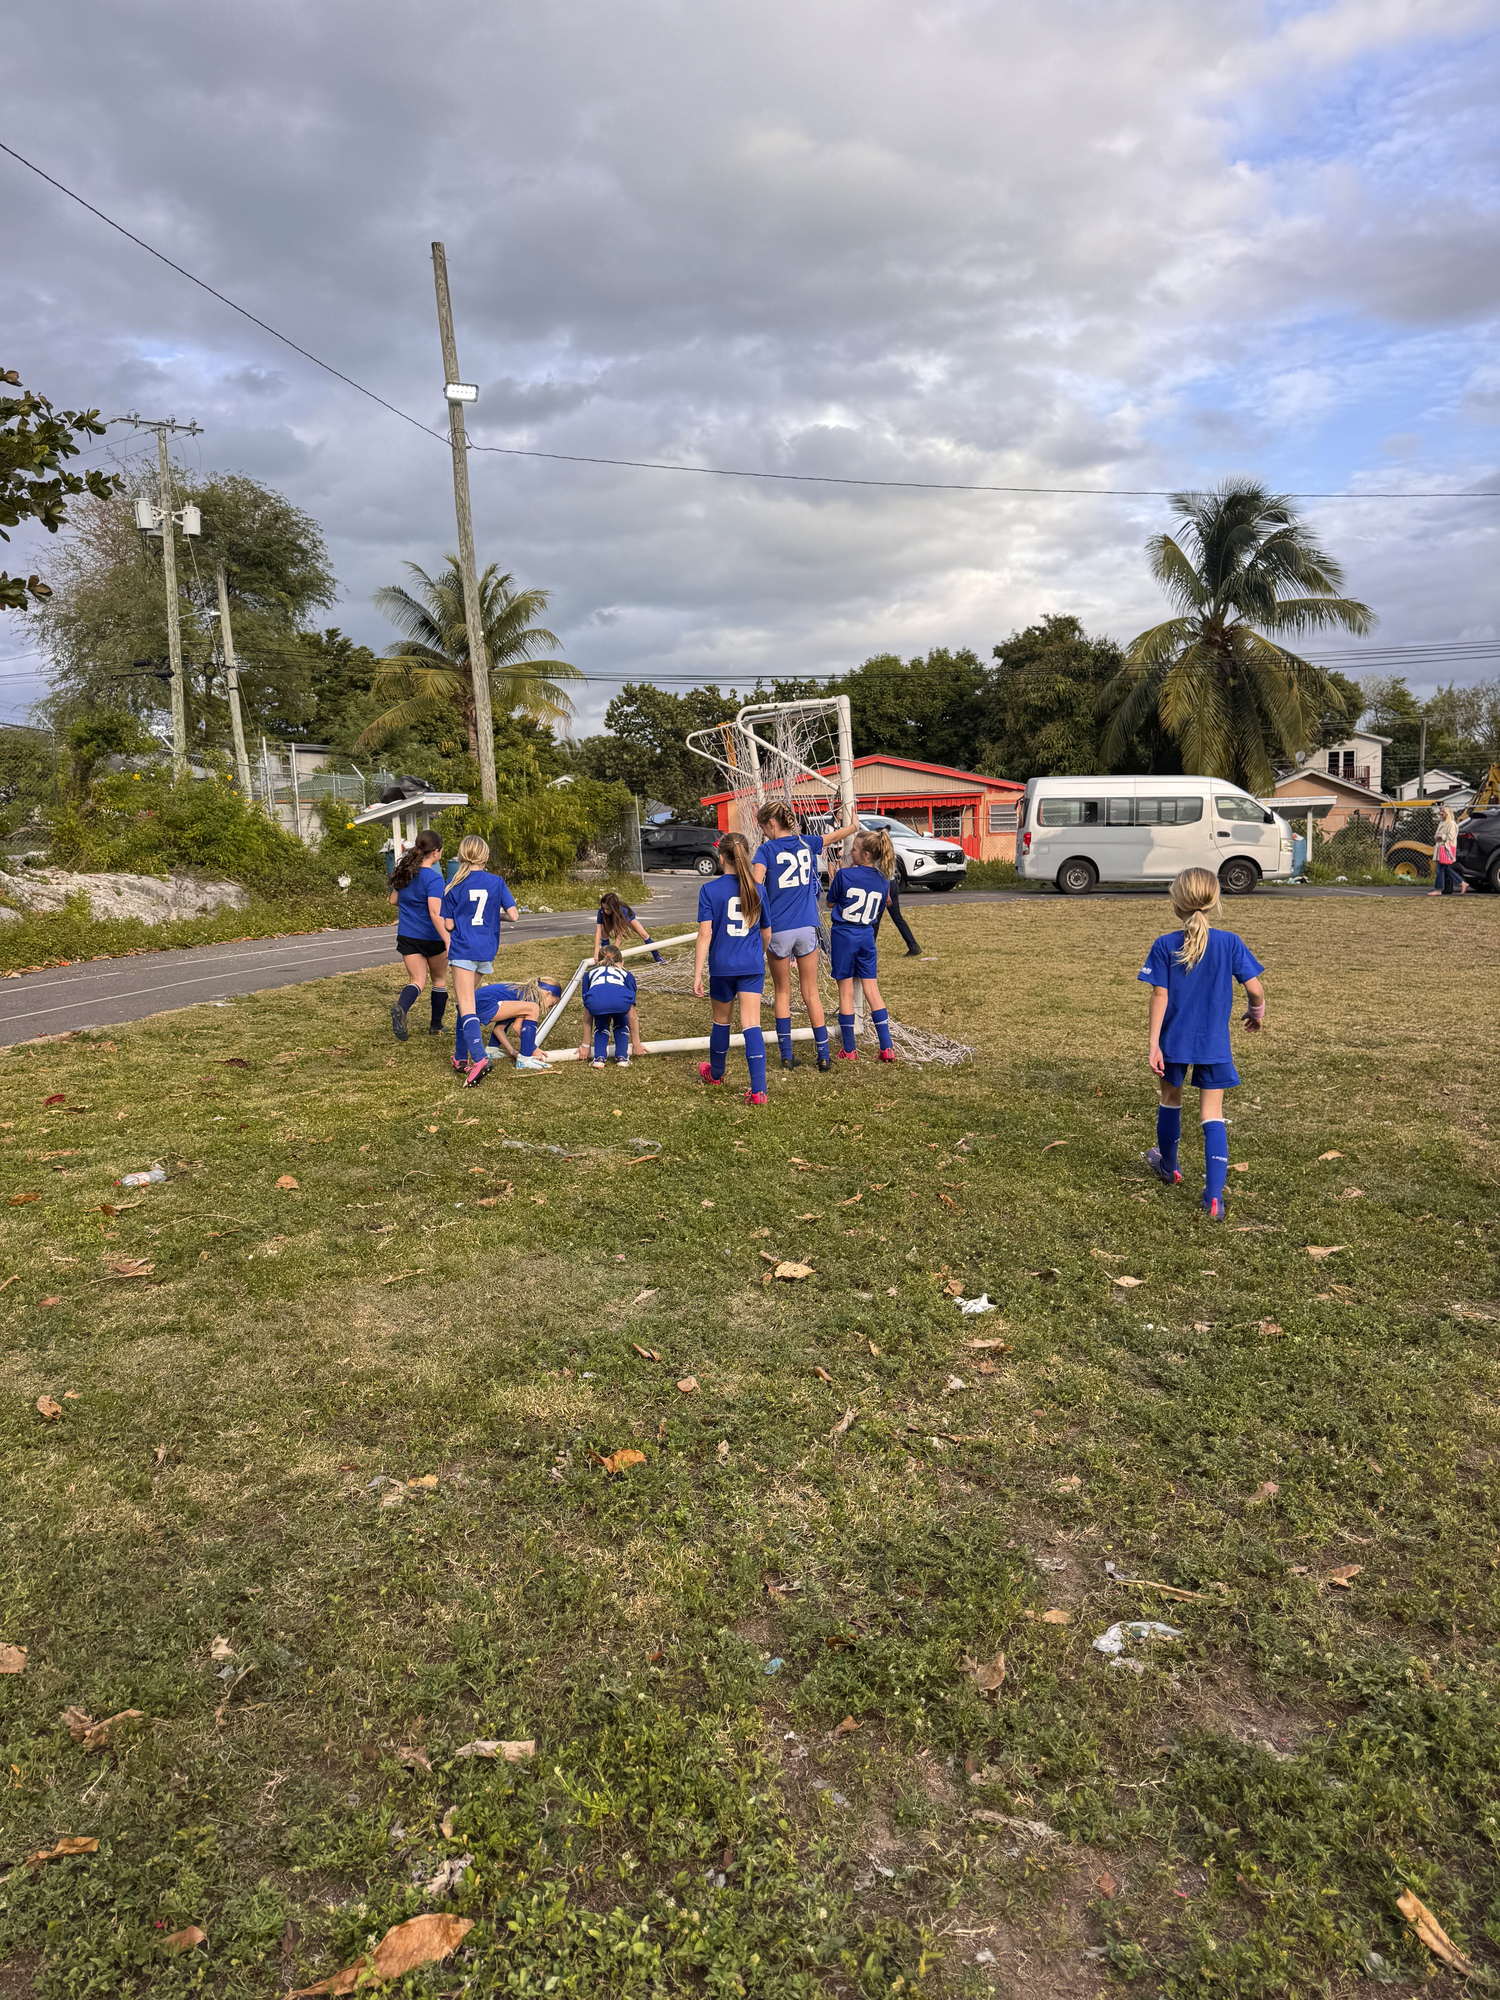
[[667, 465]]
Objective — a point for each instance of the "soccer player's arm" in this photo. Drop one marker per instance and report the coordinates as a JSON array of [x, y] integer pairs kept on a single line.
[[435, 911], [700, 953], [1156, 1015], [598, 940], [1255, 1012], [508, 912]]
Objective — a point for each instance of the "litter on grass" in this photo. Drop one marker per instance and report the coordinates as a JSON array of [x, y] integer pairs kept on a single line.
[[157, 1173], [1114, 1641], [983, 1304]]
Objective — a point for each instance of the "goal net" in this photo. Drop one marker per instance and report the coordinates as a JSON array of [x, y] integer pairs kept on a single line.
[[796, 753]]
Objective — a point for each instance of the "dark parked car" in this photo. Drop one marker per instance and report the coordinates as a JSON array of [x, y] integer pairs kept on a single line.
[[1479, 848], [674, 845]]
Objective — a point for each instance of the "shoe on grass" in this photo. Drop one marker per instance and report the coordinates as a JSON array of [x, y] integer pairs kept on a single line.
[[848, 1055], [1168, 1176], [535, 1063], [887, 1055], [789, 1060], [476, 1073], [825, 1062], [1214, 1208], [398, 1023], [706, 1074], [756, 1097]]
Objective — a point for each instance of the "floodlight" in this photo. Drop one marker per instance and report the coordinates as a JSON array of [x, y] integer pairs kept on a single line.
[[461, 392]]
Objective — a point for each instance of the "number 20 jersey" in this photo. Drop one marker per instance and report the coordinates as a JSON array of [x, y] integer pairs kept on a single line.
[[856, 898]]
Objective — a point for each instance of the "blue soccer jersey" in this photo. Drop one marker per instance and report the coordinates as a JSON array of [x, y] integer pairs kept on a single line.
[[1195, 1028], [789, 895], [603, 922], [608, 990], [474, 905], [735, 950], [413, 918], [856, 898]]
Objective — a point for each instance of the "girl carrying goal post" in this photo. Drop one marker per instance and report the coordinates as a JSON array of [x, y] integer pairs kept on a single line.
[[729, 949], [786, 872]]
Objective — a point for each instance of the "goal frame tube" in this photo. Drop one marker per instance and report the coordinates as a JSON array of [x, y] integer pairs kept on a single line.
[[635, 951]]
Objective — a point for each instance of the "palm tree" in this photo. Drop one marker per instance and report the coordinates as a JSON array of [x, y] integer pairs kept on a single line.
[[1230, 696], [427, 675]]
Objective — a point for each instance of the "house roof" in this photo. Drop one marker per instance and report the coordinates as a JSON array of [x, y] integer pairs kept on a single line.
[[1309, 775], [977, 778]]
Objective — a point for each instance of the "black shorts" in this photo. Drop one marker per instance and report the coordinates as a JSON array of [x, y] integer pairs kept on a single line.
[[427, 947]]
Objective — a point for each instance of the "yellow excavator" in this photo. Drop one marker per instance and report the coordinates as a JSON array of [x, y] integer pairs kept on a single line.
[[1412, 859]]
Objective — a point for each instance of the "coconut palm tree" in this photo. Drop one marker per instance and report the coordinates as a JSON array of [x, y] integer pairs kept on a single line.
[[427, 675], [1242, 568]]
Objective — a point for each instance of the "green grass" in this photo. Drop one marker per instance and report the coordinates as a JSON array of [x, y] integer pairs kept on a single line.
[[442, 1296]]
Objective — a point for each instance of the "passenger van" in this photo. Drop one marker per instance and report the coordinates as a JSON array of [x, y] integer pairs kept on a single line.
[[1079, 831]]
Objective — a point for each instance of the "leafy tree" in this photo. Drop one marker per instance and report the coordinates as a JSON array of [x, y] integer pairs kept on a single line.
[[1040, 714], [930, 709], [34, 441], [647, 750], [1231, 697], [341, 675], [100, 733], [28, 776], [428, 674]]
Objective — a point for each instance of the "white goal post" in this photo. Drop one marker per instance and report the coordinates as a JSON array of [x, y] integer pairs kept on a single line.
[[771, 751]]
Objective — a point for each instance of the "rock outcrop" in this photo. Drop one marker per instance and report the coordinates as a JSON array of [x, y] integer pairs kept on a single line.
[[155, 899]]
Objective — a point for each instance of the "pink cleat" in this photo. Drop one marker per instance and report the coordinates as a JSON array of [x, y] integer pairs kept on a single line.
[[756, 1097], [706, 1074], [475, 1074], [848, 1055], [887, 1055]]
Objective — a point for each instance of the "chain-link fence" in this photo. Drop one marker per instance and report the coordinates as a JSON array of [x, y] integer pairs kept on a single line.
[[614, 849]]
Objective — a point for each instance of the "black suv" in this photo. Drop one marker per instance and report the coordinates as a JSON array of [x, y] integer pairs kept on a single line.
[[675, 845], [1479, 848]]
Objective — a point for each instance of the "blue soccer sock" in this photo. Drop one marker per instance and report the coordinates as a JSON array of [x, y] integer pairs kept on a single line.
[[622, 1038], [528, 1038], [846, 1029], [407, 998], [601, 1041], [784, 1033], [820, 1039], [718, 1048], [755, 1057], [881, 1017], [1168, 1133], [439, 1007], [1215, 1158], [472, 1035], [655, 954]]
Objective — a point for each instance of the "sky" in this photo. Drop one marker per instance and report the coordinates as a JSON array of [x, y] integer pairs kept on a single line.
[[1055, 243]]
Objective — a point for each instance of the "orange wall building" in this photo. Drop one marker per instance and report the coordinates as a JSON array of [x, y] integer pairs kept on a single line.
[[977, 811]]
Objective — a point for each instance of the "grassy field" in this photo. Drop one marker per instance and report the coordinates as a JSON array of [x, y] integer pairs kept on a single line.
[[334, 1493]]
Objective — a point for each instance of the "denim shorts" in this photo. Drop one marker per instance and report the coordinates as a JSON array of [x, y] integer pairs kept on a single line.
[[470, 965], [793, 944], [1205, 1076], [725, 987]]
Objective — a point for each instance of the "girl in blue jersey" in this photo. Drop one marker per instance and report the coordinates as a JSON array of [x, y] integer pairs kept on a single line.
[[786, 872], [857, 897], [497, 1003], [608, 997], [730, 948], [417, 892], [1191, 974], [474, 905], [615, 922]]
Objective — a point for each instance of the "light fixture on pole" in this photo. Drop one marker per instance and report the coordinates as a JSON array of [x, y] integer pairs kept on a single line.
[[461, 392]]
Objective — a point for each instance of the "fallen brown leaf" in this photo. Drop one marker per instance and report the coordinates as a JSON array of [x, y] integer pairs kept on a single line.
[[1266, 1492], [12, 1659], [57, 1097], [723, 1451], [1107, 1885], [1431, 1932], [131, 1267], [20, 1200], [287, 1181], [989, 1677], [845, 1728], [1003, 1345], [1344, 1575], [489, 1746], [851, 1201], [954, 1289], [1240, 1167], [1127, 1284], [814, 1215], [220, 1650], [1053, 1142], [705, 1204], [842, 1426], [1049, 1274], [1321, 1250], [641, 1297], [419, 1941], [1056, 1617], [646, 1353], [822, 1374], [72, 1844], [793, 1272], [425, 1484], [688, 1384], [1269, 1326], [83, 1729], [618, 1461], [1071, 1484], [185, 1940], [48, 1408], [873, 1348], [1330, 1156], [412, 1759]]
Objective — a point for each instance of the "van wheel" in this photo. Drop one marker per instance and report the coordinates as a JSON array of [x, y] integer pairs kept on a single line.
[[1076, 878], [1238, 877]]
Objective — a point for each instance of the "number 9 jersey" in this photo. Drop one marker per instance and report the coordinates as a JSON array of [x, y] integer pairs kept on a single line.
[[734, 950], [856, 901]]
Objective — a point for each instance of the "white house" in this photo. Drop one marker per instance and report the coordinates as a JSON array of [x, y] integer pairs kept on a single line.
[[1356, 759], [1436, 785]]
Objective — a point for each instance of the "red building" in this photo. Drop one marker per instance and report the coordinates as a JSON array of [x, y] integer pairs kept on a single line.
[[977, 811]]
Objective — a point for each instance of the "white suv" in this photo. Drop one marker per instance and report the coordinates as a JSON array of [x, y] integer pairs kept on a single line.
[[923, 861]]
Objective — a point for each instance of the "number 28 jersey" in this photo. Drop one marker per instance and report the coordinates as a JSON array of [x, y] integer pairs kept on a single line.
[[789, 897], [856, 897], [735, 949], [474, 906]]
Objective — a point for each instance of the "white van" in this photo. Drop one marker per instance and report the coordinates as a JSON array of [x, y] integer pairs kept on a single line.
[[1079, 831]]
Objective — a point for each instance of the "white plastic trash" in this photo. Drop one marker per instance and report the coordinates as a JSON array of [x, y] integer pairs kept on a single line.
[[157, 1173], [1114, 1640], [982, 1304]]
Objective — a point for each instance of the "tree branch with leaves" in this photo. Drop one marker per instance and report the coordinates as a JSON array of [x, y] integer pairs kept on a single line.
[[34, 441]]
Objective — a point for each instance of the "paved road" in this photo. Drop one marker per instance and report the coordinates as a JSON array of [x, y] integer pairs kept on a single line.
[[103, 993]]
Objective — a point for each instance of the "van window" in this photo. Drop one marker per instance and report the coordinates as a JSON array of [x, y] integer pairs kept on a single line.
[[1168, 812], [1120, 813], [1069, 812], [1230, 805]]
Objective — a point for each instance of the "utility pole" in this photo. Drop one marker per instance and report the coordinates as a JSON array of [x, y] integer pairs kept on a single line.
[[232, 676], [457, 394], [1422, 761], [162, 519]]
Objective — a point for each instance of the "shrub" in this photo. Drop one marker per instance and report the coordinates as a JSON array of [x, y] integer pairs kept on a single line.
[[540, 833], [144, 824]]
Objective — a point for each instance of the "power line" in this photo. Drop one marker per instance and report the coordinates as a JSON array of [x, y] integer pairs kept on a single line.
[[667, 465]]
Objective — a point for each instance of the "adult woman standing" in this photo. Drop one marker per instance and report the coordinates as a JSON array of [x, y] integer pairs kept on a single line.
[[1448, 881]]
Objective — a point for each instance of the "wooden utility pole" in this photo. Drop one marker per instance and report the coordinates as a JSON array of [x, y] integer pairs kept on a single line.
[[174, 630], [479, 659], [232, 677]]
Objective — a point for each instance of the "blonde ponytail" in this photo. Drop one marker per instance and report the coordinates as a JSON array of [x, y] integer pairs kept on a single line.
[[776, 813], [1194, 894], [473, 852], [735, 849], [875, 849]]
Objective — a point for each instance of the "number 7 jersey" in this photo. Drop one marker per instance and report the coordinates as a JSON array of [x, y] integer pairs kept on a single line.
[[734, 950], [856, 898], [474, 905]]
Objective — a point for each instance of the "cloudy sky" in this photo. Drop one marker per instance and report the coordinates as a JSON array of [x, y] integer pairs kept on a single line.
[[1060, 243]]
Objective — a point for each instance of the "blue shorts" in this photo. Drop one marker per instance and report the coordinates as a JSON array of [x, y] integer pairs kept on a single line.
[[603, 1013], [471, 965], [793, 944], [1205, 1076], [853, 954], [724, 986]]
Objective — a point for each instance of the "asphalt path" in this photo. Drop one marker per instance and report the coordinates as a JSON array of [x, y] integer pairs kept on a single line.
[[104, 993]]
